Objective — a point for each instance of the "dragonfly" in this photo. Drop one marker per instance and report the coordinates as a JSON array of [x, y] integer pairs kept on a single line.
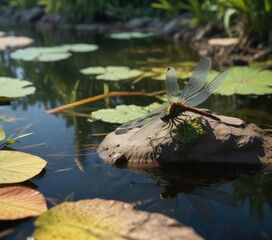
[[196, 91]]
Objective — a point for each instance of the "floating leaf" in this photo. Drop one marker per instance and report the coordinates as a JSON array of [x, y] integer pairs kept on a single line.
[[18, 166], [20, 202], [184, 70], [2, 134], [80, 47], [50, 54], [266, 64], [41, 54], [13, 42], [104, 219], [245, 80], [111, 73], [53, 57], [129, 35], [123, 113], [14, 88]]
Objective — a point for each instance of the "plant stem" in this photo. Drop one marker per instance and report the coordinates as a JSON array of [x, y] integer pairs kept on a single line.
[[101, 96]]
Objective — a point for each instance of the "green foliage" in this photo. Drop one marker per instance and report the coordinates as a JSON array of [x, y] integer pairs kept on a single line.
[[82, 10], [23, 4], [190, 131], [123, 113], [256, 14]]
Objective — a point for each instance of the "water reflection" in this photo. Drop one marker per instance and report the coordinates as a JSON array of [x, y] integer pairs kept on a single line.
[[196, 182]]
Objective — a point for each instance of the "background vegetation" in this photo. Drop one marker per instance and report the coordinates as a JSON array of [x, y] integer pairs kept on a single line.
[[254, 18]]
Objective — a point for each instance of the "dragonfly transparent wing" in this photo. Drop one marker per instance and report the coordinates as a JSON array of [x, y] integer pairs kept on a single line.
[[139, 122], [147, 130], [209, 87], [172, 87], [198, 79]]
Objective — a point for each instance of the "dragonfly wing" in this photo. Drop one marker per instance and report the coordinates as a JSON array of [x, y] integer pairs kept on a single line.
[[139, 122], [197, 81], [147, 130], [172, 87], [206, 90]]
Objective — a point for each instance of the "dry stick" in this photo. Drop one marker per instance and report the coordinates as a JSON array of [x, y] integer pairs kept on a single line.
[[101, 96]]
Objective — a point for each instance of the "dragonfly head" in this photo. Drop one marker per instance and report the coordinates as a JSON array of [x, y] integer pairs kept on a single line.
[[165, 116]]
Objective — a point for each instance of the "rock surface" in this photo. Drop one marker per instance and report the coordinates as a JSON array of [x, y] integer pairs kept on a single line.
[[227, 141]]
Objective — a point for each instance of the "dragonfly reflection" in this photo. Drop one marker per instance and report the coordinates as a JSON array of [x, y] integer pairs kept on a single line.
[[197, 90]]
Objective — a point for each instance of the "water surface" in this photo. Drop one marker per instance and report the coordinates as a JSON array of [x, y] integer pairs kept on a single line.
[[213, 200]]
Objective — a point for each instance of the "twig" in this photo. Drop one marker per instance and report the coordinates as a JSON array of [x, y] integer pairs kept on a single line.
[[101, 96]]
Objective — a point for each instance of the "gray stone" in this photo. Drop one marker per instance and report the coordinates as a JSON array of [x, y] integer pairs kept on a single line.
[[176, 24], [138, 22], [32, 15], [51, 18], [227, 141]]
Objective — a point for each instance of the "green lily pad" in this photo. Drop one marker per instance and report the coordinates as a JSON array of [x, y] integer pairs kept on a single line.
[[245, 80], [51, 54], [111, 73], [129, 35], [262, 65], [80, 47], [41, 54], [123, 113], [14, 88], [18, 202], [104, 219], [184, 70], [19, 166]]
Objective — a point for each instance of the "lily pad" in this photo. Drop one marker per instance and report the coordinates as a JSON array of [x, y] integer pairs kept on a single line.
[[14, 88], [245, 80], [123, 113], [129, 35], [13, 42], [104, 219], [80, 47], [184, 70], [18, 202], [51, 54], [41, 54], [18, 166], [111, 73]]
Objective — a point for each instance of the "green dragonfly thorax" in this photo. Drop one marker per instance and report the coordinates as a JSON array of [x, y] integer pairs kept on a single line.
[[173, 111]]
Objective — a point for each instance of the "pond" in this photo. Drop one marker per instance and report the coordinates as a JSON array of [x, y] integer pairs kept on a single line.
[[212, 199]]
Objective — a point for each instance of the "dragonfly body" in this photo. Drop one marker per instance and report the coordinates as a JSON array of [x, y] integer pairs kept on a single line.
[[176, 109], [197, 90]]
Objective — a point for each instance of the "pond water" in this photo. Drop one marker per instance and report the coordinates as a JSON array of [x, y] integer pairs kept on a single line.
[[219, 202]]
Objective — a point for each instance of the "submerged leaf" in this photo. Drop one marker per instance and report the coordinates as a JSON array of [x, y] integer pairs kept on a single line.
[[14, 88], [123, 113], [18, 202], [104, 219], [19, 166], [129, 35], [2, 134], [245, 80], [111, 73]]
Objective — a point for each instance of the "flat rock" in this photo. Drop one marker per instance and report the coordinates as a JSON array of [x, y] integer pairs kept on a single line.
[[230, 140]]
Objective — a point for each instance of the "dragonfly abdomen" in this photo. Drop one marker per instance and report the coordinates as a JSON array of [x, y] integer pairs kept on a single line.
[[176, 109]]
